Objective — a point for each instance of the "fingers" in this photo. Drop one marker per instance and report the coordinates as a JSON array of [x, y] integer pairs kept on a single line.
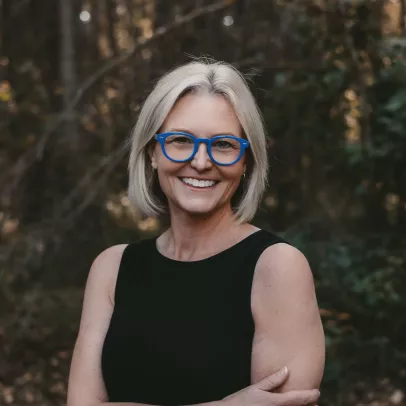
[[292, 398], [299, 397], [273, 381]]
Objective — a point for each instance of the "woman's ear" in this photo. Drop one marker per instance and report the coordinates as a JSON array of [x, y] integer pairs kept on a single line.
[[153, 161], [151, 154]]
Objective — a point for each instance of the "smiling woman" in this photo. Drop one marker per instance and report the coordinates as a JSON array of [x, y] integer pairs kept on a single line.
[[208, 310], [185, 161], [221, 105]]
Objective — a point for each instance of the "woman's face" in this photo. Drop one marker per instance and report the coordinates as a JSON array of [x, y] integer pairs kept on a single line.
[[203, 116]]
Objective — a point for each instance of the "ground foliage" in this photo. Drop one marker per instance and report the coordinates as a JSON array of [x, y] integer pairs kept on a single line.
[[330, 77]]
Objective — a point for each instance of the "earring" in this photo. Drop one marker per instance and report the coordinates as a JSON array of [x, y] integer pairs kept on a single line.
[[243, 175], [154, 165]]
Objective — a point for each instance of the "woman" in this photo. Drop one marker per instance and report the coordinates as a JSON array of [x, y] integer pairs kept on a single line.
[[212, 308]]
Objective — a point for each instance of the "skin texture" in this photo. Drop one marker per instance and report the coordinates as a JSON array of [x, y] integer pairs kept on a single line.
[[288, 329]]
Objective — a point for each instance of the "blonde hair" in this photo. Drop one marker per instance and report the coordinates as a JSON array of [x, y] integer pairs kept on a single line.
[[215, 78]]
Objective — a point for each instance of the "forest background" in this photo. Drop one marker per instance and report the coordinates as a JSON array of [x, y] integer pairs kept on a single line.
[[330, 78]]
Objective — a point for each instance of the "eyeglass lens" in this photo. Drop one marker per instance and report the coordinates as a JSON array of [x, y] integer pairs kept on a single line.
[[181, 147]]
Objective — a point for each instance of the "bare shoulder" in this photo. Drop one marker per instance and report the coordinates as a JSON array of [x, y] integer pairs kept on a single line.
[[284, 261], [282, 271], [110, 255], [104, 269]]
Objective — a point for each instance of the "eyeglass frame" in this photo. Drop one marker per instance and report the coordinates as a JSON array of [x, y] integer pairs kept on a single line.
[[197, 141]]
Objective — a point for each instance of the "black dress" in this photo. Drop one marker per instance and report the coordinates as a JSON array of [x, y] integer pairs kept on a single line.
[[181, 332]]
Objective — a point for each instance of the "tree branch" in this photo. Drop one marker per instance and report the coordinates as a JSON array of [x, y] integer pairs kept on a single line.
[[13, 175]]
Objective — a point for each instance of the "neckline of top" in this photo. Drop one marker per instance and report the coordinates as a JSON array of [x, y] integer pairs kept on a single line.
[[203, 260]]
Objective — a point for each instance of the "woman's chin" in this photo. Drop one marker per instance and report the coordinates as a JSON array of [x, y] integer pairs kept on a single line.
[[198, 209]]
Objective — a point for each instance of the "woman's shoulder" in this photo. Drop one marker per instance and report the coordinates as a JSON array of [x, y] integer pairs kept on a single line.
[[285, 262], [108, 261], [104, 270], [281, 269], [110, 254], [282, 252]]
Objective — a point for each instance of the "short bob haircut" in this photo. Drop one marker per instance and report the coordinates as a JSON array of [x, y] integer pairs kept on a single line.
[[198, 76]]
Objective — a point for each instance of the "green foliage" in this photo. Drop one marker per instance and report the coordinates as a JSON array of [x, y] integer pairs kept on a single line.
[[360, 283]]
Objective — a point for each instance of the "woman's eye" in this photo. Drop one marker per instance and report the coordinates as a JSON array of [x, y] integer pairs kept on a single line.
[[179, 140], [182, 140], [223, 144]]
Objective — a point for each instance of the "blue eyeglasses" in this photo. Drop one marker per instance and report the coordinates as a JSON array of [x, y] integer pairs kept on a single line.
[[223, 150]]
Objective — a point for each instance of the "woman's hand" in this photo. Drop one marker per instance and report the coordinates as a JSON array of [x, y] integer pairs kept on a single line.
[[260, 394]]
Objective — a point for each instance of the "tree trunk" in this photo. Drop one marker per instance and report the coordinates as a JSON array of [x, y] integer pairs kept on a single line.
[[68, 73]]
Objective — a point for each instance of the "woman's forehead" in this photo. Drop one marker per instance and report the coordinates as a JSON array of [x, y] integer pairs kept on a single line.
[[203, 115]]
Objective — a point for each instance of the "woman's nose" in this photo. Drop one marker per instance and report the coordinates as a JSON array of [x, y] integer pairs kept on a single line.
[[201, 160]]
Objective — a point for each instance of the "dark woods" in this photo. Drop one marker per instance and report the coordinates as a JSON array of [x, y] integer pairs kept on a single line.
[[330, 78]]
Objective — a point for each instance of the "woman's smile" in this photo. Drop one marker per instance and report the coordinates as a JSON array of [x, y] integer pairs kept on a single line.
[[195, 183]]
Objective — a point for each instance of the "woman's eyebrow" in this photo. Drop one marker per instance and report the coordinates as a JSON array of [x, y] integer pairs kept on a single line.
[[184, 130], [180, 130]]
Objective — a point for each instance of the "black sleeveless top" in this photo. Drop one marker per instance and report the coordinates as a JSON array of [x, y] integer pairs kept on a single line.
[[181, 332]]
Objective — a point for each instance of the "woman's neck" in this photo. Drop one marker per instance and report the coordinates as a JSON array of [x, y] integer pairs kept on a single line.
[[196, 237]]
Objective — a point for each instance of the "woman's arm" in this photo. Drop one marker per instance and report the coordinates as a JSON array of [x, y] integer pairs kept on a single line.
[[288, 328], [259, 394], [86, 385]]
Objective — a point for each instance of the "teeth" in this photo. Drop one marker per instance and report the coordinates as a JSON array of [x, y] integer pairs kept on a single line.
[[198, 183]]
